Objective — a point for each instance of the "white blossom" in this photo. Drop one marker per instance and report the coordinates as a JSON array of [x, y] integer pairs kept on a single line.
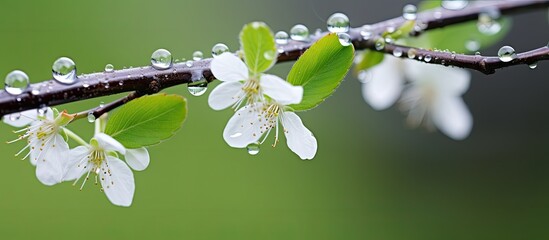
[[432, 95]]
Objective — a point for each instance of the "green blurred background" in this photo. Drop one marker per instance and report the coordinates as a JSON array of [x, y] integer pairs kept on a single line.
[[372, 178]]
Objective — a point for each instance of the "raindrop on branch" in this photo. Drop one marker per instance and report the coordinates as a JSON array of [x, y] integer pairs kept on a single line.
[[64, 70], [16, 82], [338, 23], [219, 49], [507, 54], [161, 59], [299, 32]]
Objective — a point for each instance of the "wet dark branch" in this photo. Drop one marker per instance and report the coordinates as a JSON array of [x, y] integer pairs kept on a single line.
[[483, 64], [147, 80]]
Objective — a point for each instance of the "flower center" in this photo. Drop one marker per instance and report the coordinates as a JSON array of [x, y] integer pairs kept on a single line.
[[270, 113]]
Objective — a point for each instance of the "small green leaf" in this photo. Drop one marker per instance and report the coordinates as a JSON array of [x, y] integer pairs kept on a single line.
[[257, 42], [368, 59], [456, 36], [147, 120], [320, 70]]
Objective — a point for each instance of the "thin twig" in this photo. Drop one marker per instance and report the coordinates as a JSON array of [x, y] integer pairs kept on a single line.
[[148, 80]]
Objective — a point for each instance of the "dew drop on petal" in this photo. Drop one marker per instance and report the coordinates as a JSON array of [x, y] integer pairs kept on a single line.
[[161, 59], [16, 82], [282, 38], [299, 32], [64, 70], [253, 148], [338, 23], [42, 110], [507, 54], [409, 12], [219, 49], [197, 88], [344, 39], [198, 55]]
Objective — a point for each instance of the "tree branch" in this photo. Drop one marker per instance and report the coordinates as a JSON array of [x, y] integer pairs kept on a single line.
[[147, 80]]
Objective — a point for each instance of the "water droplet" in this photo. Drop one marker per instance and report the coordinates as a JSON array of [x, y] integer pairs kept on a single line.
[[533, 65], [101, 104], [454, 4], [412, 52], [389, 39], [270, 55], [109, 68], [338, 23], [420, 57], [487, 22], [42, 110], [299, 32], [380, 44], [64, 70], [397, 52], [16, 82], [344, 39], [85, 84], [409, 12], [198, 88], [428, 58], [91, 117], [366, 32], [437, 14], [506, 54], [253, 148], [15, 116], [189, 63], [281, 38], [35, 91], [219, 49], [161, 59], [364, 76], [477, 53], [472, 45], [198, 55]]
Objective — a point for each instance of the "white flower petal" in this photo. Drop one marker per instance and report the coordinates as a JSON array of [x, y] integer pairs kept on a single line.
[[280, 90], [78, 159], [138, 159], [386, 84], [49, 114], [225, 95], [447, 80], [108, 143], [299, 139], [21, 119], [451, 116], [118, 184], [229, 68], [51, 165], [244, 127]]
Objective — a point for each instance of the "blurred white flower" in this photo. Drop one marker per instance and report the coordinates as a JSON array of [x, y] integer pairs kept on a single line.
[[47, 148], [238, 87], [432, 95], [100, 158]]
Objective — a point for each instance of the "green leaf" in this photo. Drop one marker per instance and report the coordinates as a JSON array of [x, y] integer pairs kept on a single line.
[[456, 36], [368, 59], [257, 42], [320, 70], [147, 120]]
